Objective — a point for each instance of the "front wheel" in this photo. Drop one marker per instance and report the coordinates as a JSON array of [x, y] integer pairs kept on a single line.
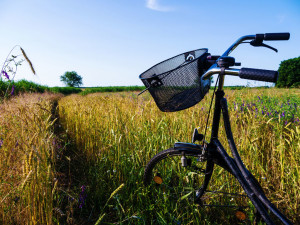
[[169, 180], [175, 187]]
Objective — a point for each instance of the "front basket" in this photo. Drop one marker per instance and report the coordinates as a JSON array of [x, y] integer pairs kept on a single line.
[[176, 83]]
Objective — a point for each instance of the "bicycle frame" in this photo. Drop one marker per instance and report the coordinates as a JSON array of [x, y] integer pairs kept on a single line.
[[216, 154]]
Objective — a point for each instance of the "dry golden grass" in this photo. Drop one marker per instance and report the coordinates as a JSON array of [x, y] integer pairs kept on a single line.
[[27, 159]]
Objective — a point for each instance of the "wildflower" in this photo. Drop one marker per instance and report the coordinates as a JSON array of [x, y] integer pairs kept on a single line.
[[5, 74], [268, 114], [12, 90], [1, 142], [16, 199], [258, 97], [283, 114], [262, 112], [82, 197]]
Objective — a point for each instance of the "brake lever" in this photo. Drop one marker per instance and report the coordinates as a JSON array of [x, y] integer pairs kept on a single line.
[[270, 47], [259, 43]]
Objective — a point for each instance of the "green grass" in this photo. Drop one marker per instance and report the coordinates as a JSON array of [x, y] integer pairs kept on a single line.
[[111, 89]]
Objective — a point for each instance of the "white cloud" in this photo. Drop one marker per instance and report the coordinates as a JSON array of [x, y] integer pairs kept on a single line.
[[281, 18], [154, 5]]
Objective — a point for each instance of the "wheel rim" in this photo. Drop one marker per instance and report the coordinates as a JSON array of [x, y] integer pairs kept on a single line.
[[170, 178], [175, 186]]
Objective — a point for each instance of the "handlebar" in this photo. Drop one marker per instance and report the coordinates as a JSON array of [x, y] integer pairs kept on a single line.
[[258, 74], [276, 36], [248, 73], [259, 38]]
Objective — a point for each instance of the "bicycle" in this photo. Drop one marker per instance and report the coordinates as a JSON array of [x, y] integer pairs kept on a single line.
[[185, 171]]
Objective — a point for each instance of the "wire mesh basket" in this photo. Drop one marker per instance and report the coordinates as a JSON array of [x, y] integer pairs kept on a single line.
[[176, 83]]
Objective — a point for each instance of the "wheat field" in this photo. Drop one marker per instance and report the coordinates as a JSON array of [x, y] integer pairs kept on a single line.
[[119, 133], [80, 159]]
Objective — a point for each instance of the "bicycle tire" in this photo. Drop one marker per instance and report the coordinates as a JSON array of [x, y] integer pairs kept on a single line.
[[176, 185], [170, 174]]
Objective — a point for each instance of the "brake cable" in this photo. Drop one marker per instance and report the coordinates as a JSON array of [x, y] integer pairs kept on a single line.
[[210, 109]]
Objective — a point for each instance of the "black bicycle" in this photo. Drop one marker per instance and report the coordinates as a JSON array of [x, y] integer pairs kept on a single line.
[[184, 171]]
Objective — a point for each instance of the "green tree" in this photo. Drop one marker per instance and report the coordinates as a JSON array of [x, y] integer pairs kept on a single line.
[[71, 79], [289, 73]]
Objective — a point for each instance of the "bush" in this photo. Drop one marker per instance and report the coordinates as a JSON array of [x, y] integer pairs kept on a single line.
[[22, 86], [112, 89], [28, 86], [289, 73], [65, 90]]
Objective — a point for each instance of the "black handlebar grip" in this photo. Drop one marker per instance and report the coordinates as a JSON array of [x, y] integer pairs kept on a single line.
[[276, 36], [257, 74]]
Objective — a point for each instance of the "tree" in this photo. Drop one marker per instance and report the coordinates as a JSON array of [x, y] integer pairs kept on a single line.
[[289, 73], [71, 79]]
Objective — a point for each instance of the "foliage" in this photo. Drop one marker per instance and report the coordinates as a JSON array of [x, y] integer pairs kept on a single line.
[[289, 73], [65, 90], [24, 86], [111, 89], [71, 79]]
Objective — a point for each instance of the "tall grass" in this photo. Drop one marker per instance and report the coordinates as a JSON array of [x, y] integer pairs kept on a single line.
[[27, 159], [118, 133]]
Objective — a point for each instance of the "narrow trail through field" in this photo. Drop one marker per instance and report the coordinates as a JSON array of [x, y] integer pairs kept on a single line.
[[72, 169]]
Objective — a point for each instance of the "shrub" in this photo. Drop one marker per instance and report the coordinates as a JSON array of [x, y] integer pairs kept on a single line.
[[289, 73], [65, 90]]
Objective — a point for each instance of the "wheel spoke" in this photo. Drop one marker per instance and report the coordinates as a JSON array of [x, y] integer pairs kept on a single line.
[[172, 184]]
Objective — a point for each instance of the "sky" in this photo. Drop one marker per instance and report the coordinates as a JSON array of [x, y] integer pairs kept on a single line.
[[111, 42]]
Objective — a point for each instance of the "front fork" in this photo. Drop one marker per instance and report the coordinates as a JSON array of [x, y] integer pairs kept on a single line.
[[203, 156]]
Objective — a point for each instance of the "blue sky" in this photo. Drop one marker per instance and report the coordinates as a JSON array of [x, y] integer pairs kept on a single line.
[[111, 42]]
